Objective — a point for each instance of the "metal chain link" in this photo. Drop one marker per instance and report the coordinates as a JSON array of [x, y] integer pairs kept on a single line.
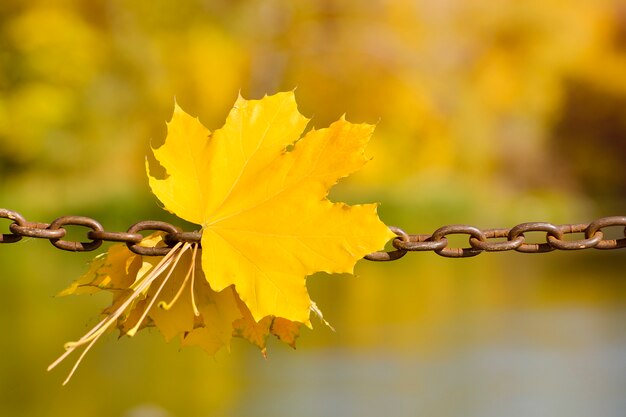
[[488, 240], [55, 232]]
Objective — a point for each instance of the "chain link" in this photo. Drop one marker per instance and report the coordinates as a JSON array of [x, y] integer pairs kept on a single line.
[[487, 240], [490, 240]]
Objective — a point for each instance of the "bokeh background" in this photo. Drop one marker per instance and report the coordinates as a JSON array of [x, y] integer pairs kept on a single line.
[[488, 113]]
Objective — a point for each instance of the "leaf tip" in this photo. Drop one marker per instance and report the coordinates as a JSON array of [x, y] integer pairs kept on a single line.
[[176, 111]]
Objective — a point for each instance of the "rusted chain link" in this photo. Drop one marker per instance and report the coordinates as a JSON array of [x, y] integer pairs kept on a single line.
[[488, 240], [55, 232]]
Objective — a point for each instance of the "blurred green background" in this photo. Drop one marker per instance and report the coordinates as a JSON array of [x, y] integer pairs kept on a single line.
[[488, 113]]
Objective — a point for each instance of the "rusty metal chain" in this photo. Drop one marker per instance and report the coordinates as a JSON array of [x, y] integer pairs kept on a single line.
[[55, 232], [488, 240], [491, 240]]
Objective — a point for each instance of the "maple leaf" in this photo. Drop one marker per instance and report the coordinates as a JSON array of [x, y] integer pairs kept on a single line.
[[259, 192], [266, 222]]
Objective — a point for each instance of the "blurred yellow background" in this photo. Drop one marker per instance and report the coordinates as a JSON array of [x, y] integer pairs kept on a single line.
[[488, 113]]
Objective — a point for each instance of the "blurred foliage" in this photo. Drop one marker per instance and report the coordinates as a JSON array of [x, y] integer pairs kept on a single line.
[[489, 113]]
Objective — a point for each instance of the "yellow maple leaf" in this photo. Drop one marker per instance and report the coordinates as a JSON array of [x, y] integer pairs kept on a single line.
[[259, 192], [266, 221]]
